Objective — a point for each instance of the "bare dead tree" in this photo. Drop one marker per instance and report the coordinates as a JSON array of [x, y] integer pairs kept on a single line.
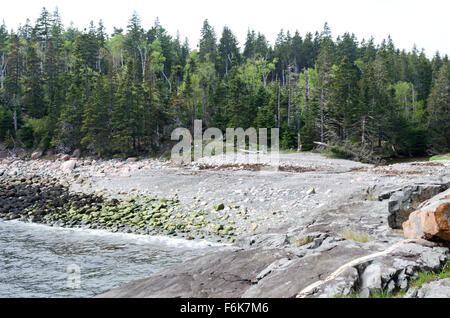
[[143, 58], [279, 114], [168, 82], [305, 71], [3, 65]]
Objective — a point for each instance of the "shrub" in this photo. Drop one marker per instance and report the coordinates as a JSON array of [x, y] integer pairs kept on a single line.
[[6, 122]]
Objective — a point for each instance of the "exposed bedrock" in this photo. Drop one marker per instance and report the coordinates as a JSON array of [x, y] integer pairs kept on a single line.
[[283, 270], [404, 201]]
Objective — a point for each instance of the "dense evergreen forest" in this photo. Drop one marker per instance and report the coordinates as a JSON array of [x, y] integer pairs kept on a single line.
[[122, 94]]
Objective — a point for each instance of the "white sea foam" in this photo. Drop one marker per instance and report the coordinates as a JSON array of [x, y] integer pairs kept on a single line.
[[167, 241]]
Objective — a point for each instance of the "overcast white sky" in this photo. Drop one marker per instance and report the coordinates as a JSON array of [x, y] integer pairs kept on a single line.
[[425, 23]]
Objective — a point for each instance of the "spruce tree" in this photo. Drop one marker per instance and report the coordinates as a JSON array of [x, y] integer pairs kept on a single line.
[[96, 120], [439, 112]]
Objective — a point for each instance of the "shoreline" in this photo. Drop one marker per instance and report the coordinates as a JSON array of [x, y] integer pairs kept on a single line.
[[144, 238], [292, 218], [49, 202]]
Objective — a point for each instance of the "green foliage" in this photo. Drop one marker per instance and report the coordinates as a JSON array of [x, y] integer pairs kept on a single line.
[[374, 294], [6, 122], [439, 111], [35, 133], [427, 277], [96, 121], [26, 136], [9, 139], [288, 137], [337, 152], [440, 157], [408, 137], [124, 94]]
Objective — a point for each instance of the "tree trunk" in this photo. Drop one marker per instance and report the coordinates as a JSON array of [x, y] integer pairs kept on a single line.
[[322, 116], [363, 137], [299, 143], [2, 70], [15, 121], [306, 92], [143, 56], [289, 96], [88, 94], [170, 85], [279, 115]]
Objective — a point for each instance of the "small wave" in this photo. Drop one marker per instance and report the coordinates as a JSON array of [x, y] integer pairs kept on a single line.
[[168, 241]]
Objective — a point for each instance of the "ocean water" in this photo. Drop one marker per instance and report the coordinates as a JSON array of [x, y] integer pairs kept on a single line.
[[41, 261]]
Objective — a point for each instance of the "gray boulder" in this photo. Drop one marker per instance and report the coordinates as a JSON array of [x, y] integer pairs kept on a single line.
[[69, 165], [76, 153], [36, 155], [436, 289], [65, 157]]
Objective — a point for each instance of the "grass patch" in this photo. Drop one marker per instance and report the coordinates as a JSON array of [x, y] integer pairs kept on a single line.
[[427, 277], [352, 294], [354, 235], [440, 157], [337, 153], [386, 294], [300, 241], [375, 294]]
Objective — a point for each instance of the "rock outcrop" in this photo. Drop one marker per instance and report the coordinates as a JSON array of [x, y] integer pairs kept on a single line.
[[389, 272], [436, 289], [283, 270], [224, 274], [404, 201], [431, 221]]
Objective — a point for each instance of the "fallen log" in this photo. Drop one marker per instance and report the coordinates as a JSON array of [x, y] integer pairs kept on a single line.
[[321, 144]]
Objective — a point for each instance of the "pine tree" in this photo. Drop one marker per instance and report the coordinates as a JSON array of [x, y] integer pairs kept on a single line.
[[250, 45], [122, 94], [228, 51], [324, 63], [343, 100], [124, 113], [69, 133], [208, 42], [96, 121], [439, 111], [34, 93]]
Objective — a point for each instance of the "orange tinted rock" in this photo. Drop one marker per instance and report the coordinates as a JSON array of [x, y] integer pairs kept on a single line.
[[431, 221]]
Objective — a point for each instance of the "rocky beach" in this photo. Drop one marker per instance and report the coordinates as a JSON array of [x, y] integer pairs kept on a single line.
[[311, 227]]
